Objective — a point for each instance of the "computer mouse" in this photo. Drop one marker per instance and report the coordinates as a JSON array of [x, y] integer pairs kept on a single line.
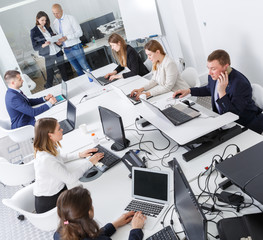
[[91, 173], [177, 95]]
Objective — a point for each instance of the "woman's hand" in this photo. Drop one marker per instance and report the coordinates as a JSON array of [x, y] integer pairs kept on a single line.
[[46, 44], [112, 77], [123, 219], [136, 92], [88, 152], [96, 157], [110, 74], [138, 220]]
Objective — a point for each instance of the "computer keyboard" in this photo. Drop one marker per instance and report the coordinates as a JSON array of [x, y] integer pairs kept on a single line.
[[176, 115], [166, 233], [109, 158], [148, 209]]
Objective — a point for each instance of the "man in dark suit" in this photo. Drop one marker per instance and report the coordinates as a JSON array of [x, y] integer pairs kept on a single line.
[[230, 91], [19, 106]]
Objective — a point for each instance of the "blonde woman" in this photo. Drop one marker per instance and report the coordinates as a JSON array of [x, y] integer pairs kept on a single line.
[[51, 172], [166, 76], [126, 57]]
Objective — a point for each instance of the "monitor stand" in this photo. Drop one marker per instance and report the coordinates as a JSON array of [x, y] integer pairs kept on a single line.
[[209, 141], [118, 147]]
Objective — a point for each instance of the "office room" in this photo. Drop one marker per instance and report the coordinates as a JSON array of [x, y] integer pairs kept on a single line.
[[189, 31]]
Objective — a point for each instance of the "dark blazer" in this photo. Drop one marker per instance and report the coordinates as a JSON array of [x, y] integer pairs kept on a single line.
[[134, 63], [20, 108], [107, 231], [238, 98], [37, 39]]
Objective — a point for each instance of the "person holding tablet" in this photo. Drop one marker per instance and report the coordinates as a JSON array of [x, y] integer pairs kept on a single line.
[[52, 53], [126, 56], [76, 213], [51, 172], [166, 76]]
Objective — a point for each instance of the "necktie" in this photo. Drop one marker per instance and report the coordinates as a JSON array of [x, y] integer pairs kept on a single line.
[[24, 95], [60, 26]]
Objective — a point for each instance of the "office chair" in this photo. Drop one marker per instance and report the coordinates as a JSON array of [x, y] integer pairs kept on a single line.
[[257, 94], [23, 201], [16, 174], [30, 83], [190, 75]]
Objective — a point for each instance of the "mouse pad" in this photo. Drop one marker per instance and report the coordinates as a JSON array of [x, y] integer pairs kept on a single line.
[[89, 179]]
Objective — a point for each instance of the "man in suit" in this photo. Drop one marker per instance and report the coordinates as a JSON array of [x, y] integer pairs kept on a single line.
[[230, 91], [19, 106]]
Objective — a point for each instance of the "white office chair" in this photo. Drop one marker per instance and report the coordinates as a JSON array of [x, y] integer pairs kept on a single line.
[[257, 94], [19, 134], [190, 75], [149, 66], [31, 84], [23, 201], [16, 174]]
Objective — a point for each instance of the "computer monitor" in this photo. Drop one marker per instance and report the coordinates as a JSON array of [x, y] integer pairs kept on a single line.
[[87, 32], [113, 128], [189, 211]]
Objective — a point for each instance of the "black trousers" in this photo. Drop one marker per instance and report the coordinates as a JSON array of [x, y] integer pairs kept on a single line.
[[52, 61], [44, 204]]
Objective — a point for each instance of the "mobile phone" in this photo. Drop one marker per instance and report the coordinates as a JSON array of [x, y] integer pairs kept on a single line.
[[229, 69]]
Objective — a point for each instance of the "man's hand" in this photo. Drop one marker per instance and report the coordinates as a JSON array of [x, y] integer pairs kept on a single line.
[[63, 39], [52, 100], [48, 96], [183, 92], [222, 84]]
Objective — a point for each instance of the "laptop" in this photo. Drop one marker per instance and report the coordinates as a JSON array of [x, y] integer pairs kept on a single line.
[[248, 173], [131, 99], [64, 93], [150, 194], [177, 114], [101, 80], [69, 124]]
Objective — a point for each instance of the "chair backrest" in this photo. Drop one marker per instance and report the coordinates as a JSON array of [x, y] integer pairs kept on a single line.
[[30, 83], [190, 75], [16, 174], [40, 61], [23, 201], [19, 134], [148, 64], [257, 94]]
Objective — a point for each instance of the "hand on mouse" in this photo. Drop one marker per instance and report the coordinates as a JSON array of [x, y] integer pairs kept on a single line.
[[136, 92], [182, 92]]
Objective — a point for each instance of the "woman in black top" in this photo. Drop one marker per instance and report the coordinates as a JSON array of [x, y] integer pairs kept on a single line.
[[76, 215], [50, 51], [126, 57]]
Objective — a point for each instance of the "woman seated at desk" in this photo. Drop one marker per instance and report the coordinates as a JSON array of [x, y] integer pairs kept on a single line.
[[77, 222], [166, 76], [50, 51], [127, 57], [51, 172]]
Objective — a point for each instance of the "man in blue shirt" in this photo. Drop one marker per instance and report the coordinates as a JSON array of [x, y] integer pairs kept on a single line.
[[230, 91], [18, 106]]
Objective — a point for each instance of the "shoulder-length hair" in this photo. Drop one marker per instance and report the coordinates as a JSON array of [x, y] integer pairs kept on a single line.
[[42, 141], [153, 46], [40, 15], [120, 56], [74, 207]]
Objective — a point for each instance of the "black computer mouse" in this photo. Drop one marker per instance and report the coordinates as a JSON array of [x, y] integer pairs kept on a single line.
[[91, 173], [177, 95]]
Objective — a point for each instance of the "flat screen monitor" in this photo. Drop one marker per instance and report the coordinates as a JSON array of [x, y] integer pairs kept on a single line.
[[189, 211], [87, 32], [113, 128]]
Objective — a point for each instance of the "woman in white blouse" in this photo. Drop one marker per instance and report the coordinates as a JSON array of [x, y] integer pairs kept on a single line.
[[166, 76], [51, 173], [52, 52]]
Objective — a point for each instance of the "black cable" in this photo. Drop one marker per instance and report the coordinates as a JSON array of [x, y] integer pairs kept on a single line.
[[83, 98]]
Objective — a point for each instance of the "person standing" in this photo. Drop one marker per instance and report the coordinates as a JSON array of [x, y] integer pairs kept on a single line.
[[18, 106], [71, 32], [50, 51]]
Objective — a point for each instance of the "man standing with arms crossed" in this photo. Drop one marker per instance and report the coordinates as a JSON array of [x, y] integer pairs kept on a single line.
[[71, 32]]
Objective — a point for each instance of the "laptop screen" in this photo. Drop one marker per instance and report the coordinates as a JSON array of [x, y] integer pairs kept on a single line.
[[150, 185], [190, 213], [71, 114], [64, 90]]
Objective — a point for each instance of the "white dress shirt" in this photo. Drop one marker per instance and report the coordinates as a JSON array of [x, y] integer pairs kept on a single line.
[[166, 78], [53, 48], [70, 28], [51, 173]]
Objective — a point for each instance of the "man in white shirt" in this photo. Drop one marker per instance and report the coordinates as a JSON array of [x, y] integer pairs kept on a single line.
[[71, 32]]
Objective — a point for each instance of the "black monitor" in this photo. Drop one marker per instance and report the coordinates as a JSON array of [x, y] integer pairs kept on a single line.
[[87, 32], [189, 211], [113, 128]]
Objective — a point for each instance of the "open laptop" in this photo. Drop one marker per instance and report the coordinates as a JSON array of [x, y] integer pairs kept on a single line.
[[177, 114], [69, 124], [122, 94], [101, 80], [64, 93], [150, 194]]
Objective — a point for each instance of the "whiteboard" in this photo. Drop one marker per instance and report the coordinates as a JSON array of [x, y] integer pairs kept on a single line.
[[140, 18]]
